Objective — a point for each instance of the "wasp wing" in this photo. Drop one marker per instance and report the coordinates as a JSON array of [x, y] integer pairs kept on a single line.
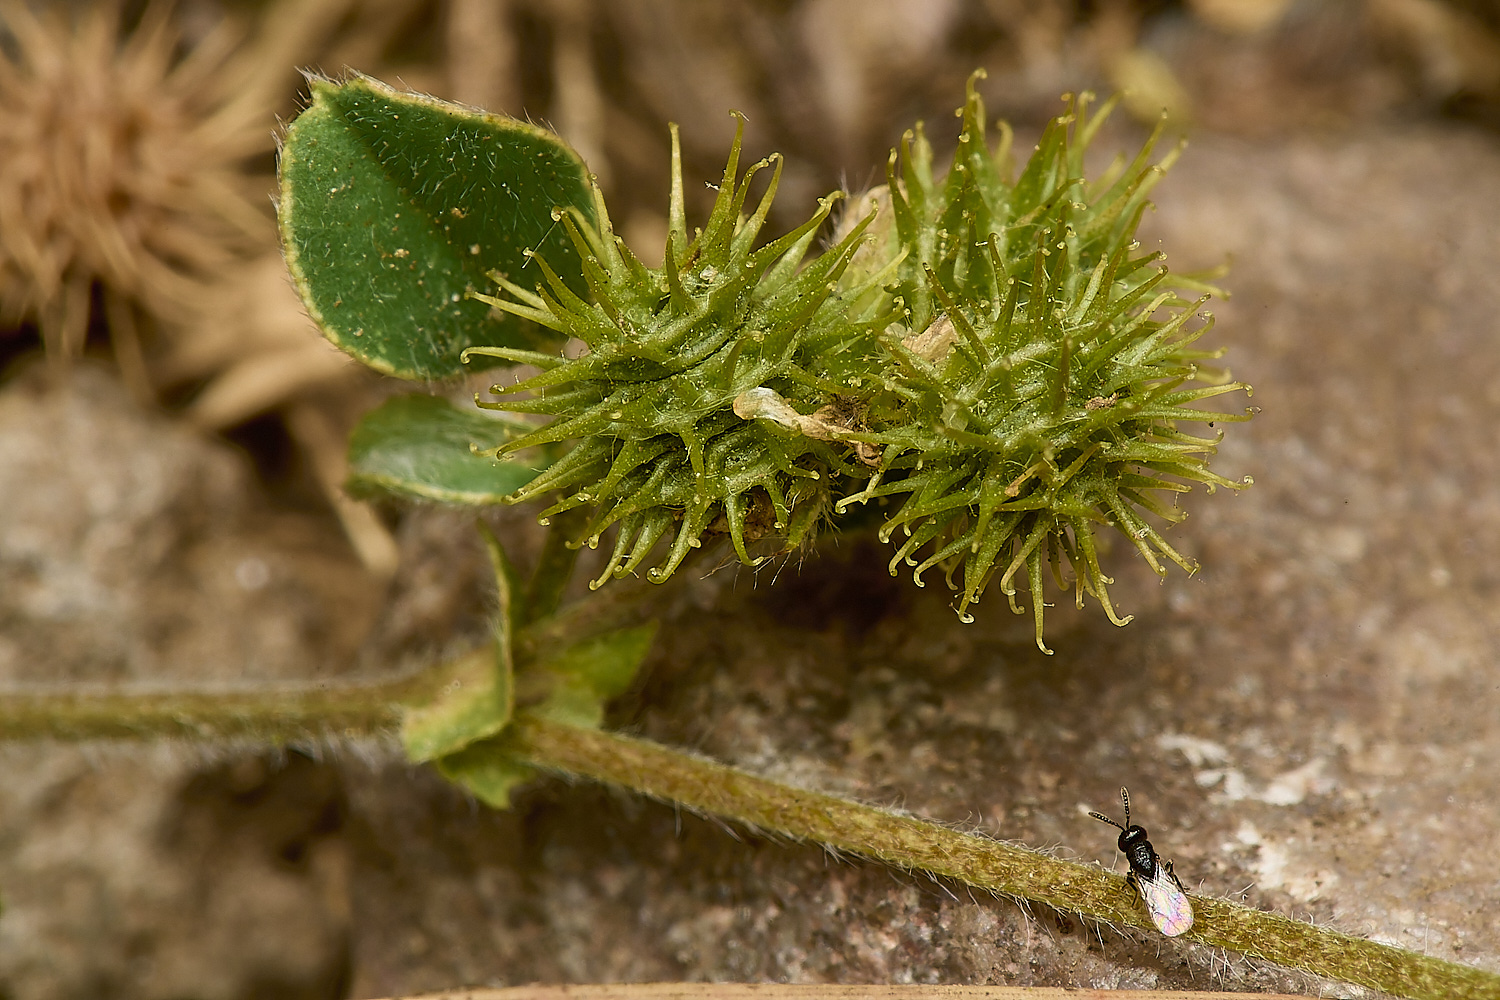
[[1168, 905]]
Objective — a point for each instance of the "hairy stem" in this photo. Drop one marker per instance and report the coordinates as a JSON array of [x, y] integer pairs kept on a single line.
[[340, 710], [705, 786], [283, 713], [277, 714]]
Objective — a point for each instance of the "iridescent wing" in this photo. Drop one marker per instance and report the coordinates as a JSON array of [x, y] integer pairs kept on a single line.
[[1168, 905]]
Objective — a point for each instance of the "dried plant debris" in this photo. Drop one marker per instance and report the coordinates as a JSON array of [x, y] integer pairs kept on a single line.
[[122, 169], [134, 166], [135, 194]]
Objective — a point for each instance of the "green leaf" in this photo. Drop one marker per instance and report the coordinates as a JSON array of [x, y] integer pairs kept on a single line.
[[395, 206], [587, 675], [417, 446], [480, 696], [487, 771], [476, 702]]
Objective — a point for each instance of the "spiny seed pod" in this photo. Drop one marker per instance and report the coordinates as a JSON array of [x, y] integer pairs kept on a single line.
[[994, 352], [1034, 387], [678, 358]]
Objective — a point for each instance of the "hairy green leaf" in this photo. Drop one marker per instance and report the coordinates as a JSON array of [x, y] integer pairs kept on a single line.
[[395, 206], [578, 682], [587, 675], [487, 770], [476, 702], [418, 446]]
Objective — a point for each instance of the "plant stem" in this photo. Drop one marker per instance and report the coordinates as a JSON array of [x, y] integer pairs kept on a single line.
[[282, 713], [341, 710], [777, 809], [554, 567], [818, 991], [277, 714], [622, 602]]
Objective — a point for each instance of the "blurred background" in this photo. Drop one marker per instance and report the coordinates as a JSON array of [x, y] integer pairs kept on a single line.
[[172, 431], [138, 142], [138, 138]]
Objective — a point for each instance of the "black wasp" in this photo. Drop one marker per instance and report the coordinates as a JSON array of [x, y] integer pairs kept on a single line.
[[1153, 878]]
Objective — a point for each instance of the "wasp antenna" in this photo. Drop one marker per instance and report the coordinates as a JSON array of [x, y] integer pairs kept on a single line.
[[1125, 798], [1101, 816]]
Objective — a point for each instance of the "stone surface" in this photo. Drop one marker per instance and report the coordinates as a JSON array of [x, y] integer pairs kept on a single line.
[[153, 873], [1312, 722], [133, 549]]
